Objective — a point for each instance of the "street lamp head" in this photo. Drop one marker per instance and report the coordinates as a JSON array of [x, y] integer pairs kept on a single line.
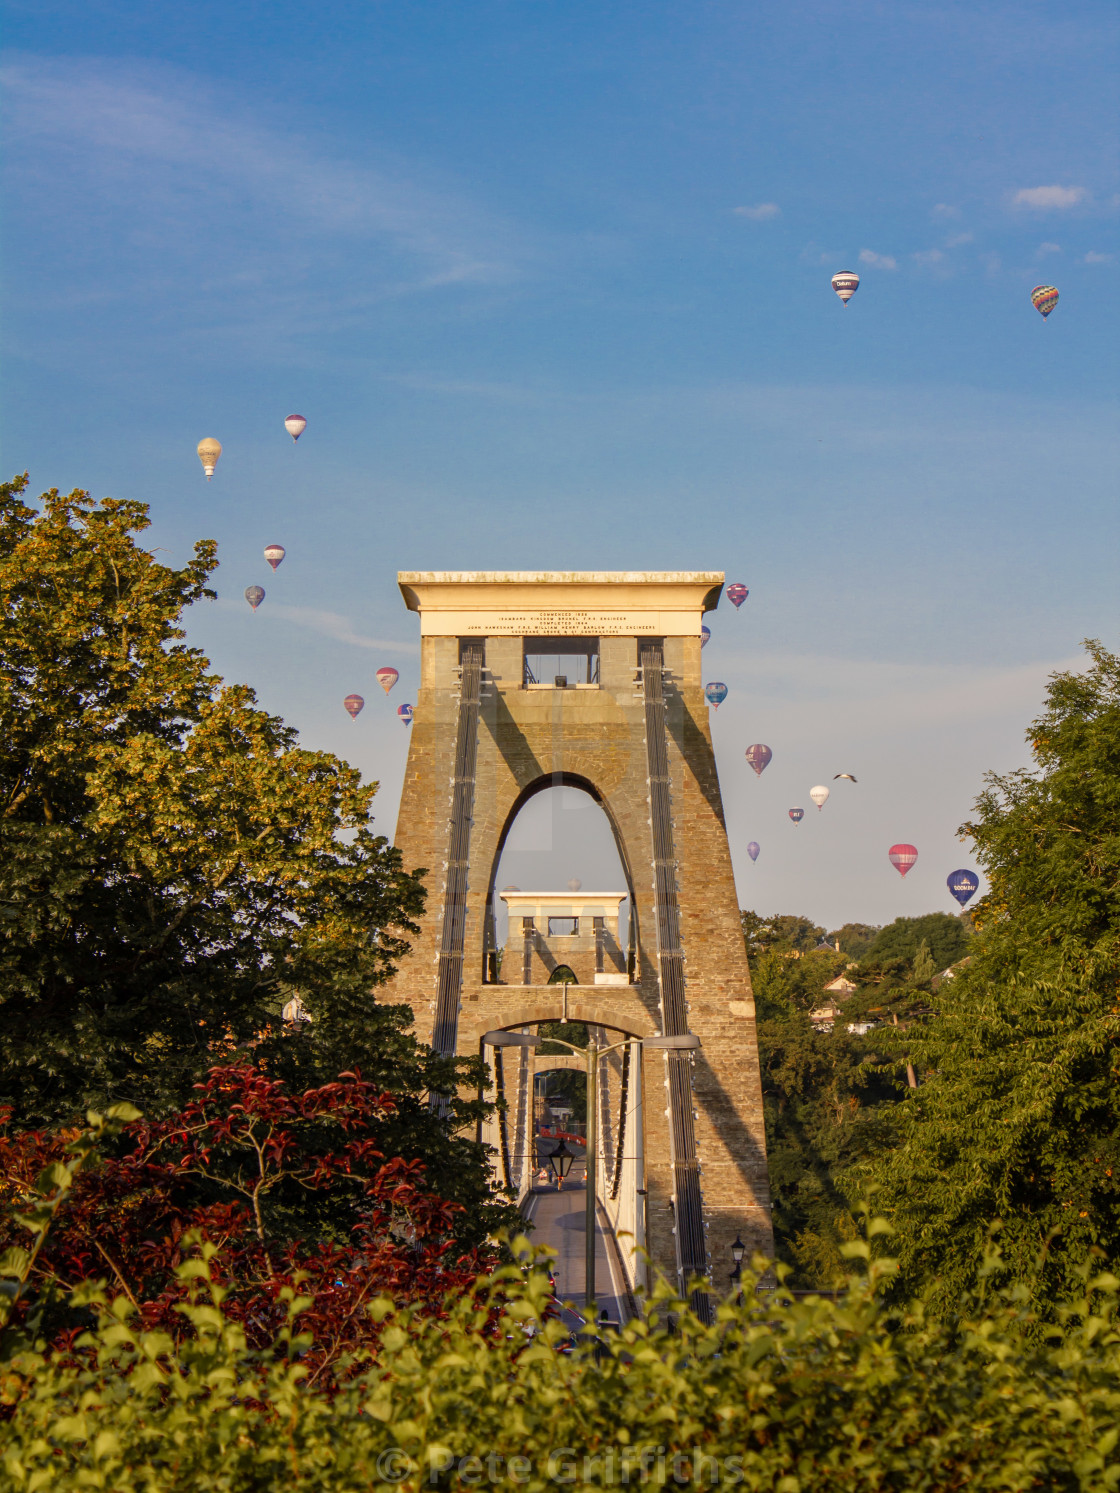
[[738, 1250], [685, 1043], [510, 1039], [560, 1161]]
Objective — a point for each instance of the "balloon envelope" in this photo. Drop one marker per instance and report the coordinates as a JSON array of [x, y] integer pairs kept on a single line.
[[705, 636], [386, 678], [1044, 298], [715, 694], [208, 452], [274, 553], [797, 815], [819, 795], [845, 284], [902, 857], [295, 425], [759, 756], [737, 594], [405, 713], [354, 704], [753, 849], [962, 885], [254, 595]]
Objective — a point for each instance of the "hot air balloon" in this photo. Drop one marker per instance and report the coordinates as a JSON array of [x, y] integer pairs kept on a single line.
[[295, 425], [208, 452], [254, 595], [1044, 298], [797, 815], [715, 694], [354, 704], [387, 677], [962, 885], [845, 284], [705, 636], [405, 713], [902, 857], [759, 757], [737, 594], [274, 553], [753, 849], [819, 795]]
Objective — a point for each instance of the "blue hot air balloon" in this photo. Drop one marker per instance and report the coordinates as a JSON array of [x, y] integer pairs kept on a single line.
[[405, 713], [962, 885], [705, 636], [753, 849], [715, 694], [797, 815]]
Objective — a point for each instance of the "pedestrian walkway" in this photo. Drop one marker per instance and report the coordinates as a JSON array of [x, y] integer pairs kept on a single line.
[[559, 1220]]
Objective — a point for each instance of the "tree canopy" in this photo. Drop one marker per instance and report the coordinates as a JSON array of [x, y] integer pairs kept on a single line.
[[173, 865], [1017, 1121], [945, 937]]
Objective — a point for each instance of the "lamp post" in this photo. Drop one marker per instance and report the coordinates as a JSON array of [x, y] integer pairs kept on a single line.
[[738, 1250], [592, 1053], [560, 1162]]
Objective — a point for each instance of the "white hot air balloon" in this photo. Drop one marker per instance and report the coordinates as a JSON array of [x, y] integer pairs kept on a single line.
[[274, 554], [208, 452], [845, 284], [819, 795], [295, 425]]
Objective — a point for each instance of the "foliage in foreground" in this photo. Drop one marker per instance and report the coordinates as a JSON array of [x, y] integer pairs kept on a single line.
[[793, 1395]]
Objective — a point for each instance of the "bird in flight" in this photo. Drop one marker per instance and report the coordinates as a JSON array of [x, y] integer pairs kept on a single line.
[[845, 775]]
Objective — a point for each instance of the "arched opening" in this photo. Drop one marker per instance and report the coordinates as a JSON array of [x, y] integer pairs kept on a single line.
[[561, 893]]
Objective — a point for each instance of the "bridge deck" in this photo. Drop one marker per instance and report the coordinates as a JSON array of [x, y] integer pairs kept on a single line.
[[559, 1220]]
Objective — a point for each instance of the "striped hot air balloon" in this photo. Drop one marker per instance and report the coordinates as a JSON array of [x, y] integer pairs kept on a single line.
[[845, 284], [405, 713], [274, 553], [354, 705], [254, 595], [387, 677], [295, 425], [1044, 298], [715, 694], [759, 756], [902, 857], [737, 594]]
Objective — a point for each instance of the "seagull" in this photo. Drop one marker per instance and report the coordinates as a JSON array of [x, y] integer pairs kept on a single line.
[[845, 775]]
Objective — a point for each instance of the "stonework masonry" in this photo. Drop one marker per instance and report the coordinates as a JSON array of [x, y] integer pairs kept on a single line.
[[532, 739]]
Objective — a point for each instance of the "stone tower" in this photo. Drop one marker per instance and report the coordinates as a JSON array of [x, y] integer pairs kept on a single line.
[[593, 680]]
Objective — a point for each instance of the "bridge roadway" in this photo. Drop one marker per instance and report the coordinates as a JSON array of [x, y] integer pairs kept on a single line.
[[559, 1219]]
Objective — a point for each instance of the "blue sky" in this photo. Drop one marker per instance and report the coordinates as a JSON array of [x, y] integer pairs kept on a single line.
[[550, 283]]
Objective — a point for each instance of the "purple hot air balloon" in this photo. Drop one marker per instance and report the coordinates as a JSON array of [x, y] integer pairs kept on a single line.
[[254, 595], [405, 713], [705, 636], [753, 849], [962, 885], [353, 705], [759, 756], [715, 694], [737, 594], [797, 815]]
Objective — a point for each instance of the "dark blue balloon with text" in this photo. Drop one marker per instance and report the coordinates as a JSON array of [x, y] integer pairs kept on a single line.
[[962, 885]]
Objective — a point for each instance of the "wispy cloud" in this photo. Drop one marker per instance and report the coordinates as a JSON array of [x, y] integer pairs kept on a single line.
[[1049, 248], [954, 241], [945, 210], [929, 258], [1093, 257], [326, 624], [760, 211], [1048, 198], [878, 261]]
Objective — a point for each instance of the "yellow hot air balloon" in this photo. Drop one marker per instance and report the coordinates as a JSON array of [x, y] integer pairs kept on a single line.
[[208, 452]]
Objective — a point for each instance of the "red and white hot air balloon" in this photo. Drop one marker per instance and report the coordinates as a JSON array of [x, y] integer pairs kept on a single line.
[[295, 425], [902, 857], [354, 704], [274, 553], [387, 677]]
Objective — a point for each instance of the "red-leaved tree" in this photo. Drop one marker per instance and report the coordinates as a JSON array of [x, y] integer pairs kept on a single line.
[[236, 1169]]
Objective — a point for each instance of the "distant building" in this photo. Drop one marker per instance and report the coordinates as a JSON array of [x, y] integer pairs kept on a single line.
[[825, 1016]]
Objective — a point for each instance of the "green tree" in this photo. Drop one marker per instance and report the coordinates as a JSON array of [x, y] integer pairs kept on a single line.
[[173, 866], [1019, 1120], [855, 938], [946, 938], [784, 931]]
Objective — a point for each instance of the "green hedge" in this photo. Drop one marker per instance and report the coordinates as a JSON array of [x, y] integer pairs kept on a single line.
[[779, 1394]]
